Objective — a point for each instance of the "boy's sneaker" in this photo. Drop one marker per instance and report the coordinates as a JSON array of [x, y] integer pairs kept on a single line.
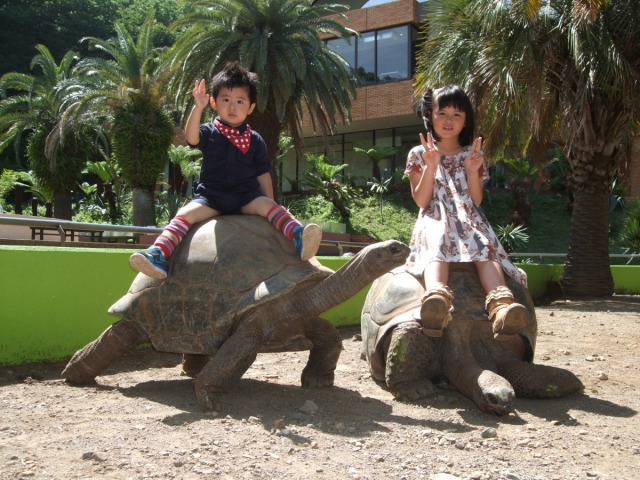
[[151, 262], [307, 240]]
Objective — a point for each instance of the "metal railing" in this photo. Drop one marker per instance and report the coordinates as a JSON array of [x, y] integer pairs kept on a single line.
[[62, 226], [563, 255], [65, 226]]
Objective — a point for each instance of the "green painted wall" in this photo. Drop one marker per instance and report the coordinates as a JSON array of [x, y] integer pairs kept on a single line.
[[54, 300]]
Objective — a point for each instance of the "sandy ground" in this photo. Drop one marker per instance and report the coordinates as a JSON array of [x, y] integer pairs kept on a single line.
[[141, 420]]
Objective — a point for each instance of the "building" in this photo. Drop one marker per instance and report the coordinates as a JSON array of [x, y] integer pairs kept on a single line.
[[384, 113]]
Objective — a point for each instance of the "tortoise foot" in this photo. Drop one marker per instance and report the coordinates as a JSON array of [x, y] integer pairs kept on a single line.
[[80, 382], [414, 391], [209, 399], [314, 380], [76, 373]]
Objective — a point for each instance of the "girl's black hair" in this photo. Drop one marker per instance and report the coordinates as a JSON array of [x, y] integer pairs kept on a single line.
[[234, 75], [449, 96]]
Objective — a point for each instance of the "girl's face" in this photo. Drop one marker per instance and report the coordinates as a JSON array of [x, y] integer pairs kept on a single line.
[[448, 122], [233, 105]]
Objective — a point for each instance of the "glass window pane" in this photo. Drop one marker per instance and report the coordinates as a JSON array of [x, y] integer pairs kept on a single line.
[[406, 139], [393, 54], [346, 50], [384, 138], [359, 169], [367, 58]]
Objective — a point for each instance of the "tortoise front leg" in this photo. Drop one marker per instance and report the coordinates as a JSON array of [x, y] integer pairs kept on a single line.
[[116, 340], [539, 381], [324, 354], [411, 362], [223, 371]]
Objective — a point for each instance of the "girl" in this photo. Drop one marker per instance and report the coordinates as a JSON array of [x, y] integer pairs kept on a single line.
[[447, 173]]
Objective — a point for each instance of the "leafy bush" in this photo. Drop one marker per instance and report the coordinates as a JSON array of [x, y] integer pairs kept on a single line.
[[323, 179], [313, 207], [512, 237]]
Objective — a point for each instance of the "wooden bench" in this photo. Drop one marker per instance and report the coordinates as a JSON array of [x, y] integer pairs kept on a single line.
[[94, 235]]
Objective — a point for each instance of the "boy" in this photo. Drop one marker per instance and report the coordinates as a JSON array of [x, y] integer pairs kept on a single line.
[[235, 175]]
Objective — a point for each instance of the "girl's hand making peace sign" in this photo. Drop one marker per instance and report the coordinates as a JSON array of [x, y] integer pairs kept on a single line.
[[475, 160], [431, 155]]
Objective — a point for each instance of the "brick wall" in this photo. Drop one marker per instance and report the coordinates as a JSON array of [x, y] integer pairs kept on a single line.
[[384, 100], [379, 101], [387, 15]]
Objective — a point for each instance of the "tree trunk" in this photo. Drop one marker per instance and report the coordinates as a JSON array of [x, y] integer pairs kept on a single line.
[[18, 192], [114, 212], [586, 270], [375, 171], [144, 214], [62, 205], [269, 128], [520, 191]]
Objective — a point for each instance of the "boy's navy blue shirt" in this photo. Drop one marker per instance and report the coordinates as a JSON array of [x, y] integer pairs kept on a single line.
[[224, 166]]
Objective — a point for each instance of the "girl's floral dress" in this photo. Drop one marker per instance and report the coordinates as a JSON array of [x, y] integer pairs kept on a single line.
[[453, 228]]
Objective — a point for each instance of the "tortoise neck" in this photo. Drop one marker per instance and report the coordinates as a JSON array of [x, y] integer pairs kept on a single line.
[[339, 287]]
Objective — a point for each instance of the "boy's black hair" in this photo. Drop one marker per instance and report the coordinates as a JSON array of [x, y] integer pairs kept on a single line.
[[234, 75], [449, 96]]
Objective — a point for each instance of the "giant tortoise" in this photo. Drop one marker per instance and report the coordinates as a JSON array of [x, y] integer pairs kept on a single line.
[[236, 287], [489, 372]]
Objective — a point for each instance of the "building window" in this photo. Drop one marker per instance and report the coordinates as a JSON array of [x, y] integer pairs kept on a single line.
[[391, 44], [378, 56], [345, 47], [366, 58]]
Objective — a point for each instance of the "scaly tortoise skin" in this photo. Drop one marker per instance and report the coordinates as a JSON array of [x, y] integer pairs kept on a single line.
[[491, 373], [236, 287]]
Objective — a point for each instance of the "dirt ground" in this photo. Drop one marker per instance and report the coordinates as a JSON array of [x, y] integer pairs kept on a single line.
[[141, 420]]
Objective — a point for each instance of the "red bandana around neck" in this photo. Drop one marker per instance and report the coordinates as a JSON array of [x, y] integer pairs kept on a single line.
[[240, 140]]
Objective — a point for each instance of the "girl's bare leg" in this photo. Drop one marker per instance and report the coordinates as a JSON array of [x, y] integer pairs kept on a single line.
[[436, 272]]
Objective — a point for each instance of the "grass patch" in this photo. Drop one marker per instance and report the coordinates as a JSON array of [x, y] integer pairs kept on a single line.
[[548, 229]]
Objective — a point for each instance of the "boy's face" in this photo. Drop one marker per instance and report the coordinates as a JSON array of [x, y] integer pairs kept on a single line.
[[233, 105]]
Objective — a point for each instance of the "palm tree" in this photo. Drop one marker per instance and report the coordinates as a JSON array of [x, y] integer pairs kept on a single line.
[[280, 41], [122, 93], [375, 155], [566, 71], [188, 160], [39, 191], [28, 118]]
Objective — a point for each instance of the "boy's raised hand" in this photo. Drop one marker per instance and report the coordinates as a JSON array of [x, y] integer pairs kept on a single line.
[[200, 95]]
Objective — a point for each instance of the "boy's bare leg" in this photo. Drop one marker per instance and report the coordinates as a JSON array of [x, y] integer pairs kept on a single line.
[[153, 261]]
